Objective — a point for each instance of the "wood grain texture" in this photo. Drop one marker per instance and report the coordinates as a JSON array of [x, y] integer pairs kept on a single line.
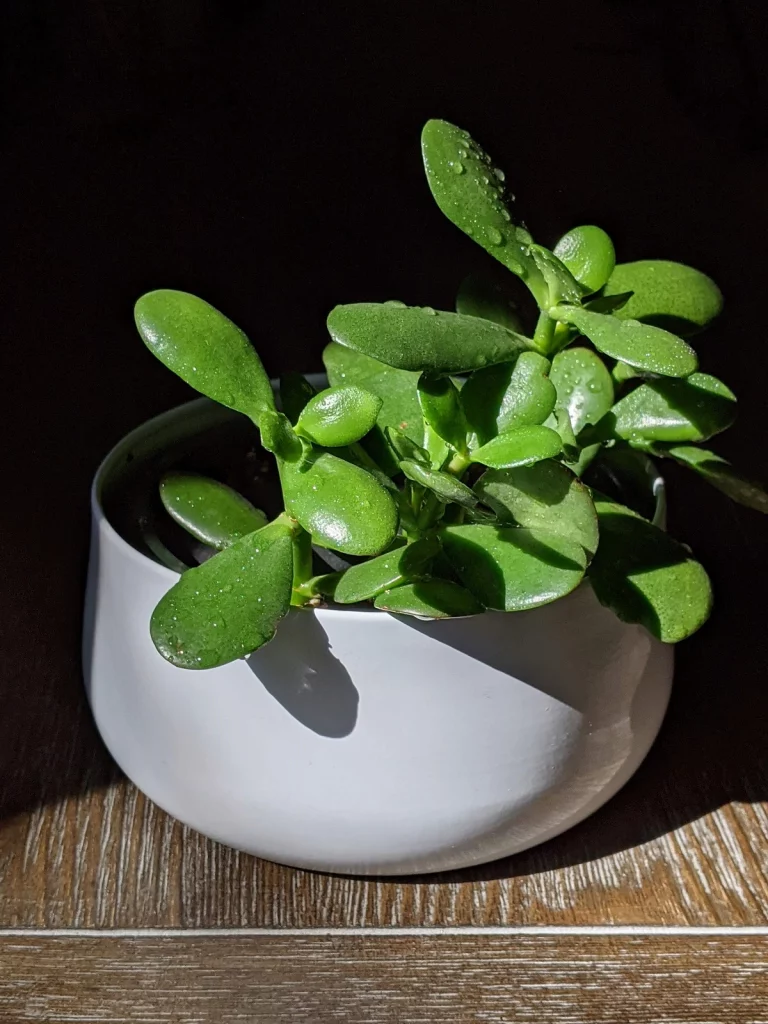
[[385, 980]]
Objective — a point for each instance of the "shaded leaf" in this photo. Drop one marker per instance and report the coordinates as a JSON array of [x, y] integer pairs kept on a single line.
[[341, 505], [441, 409], [405, 448], [674, 410], [546, 496], [588, 253], [366, 580], [212, 512], [482, 297], [720, 473], [205, 349], [230, 605], [512, 569], [509, 395], [521, 446], [444, 485], [414, 338], [608, 303], [645, 576], [667, 294], [295, 392], [640, 345], [430, 599], [339, 416]]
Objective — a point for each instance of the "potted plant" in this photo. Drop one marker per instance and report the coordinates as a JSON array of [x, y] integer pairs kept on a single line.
[[448, 638]]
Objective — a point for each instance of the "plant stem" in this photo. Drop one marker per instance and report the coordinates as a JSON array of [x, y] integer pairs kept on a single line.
[[458, 465], [302, 565], [544, 335]]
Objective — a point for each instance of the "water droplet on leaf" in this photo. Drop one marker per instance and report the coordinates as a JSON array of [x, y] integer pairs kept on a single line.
[[494, 236], [457, 167]]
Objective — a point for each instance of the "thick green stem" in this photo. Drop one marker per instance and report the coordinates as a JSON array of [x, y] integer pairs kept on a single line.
[[302, 565], [544, 335], [458, 465]]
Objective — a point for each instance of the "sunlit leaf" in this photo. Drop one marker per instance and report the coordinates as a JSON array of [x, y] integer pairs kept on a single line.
[[429, 599], [500, 398], [367, 579], [667, 294], [209, 510], [444, 485], [442, 410], [521, 446], [693, 409], [339, 416]]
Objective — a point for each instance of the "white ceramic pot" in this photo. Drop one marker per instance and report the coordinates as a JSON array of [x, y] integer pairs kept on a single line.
[[360, 742]]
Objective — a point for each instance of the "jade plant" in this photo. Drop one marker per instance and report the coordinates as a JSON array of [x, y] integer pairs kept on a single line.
[[458, 462]]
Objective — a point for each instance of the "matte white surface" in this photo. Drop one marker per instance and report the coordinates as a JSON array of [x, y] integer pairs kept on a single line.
[[360, 742]]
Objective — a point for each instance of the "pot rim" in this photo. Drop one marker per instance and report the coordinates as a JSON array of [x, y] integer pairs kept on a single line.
[[150, 427]]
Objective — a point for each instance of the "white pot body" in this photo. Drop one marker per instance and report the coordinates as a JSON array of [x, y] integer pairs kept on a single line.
[[357, 741]]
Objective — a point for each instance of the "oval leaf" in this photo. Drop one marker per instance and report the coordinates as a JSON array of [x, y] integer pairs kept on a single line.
[[510, 395], [470, 192], [647, 348], [341, 505], [519, 447], [645, 576], [721, 474], [546, 496], [583, 384], [588, 253], [512, 569], [666, 294], [366, 580], [674, 410], [230, 605], [430, 599], [339, 416], [441, 409], [295, 392], [205, 349], [482, 297], [209, 510], [444, 485], [414, 338]]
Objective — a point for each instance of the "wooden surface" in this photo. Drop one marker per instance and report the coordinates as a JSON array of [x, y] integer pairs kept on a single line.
[[386, 980]]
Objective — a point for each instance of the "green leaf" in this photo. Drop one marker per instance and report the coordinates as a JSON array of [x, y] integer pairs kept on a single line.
[[441, 409], [583, 384], [341, 505], [230, 605], [205, 349], [366, 580], [339, 416], [644, 576], [562, 425], [430, 599], [279, 437], [295, 392], [209, 510], [561, 284], [640, 345], [608, 303], [405, 448], [521, 446], [470, 192], [546, 496], [674, 410], [718, 472], [666, 294], [512, 569], [444, 485], [414, 338], [500, 398], [482, 297], [438, 450], [588, 253], [622, 372]]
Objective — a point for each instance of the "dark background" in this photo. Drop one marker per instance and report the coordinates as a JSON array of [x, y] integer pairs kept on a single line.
[[266, 156]]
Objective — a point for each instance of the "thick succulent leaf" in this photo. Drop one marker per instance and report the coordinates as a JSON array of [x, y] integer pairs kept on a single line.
[[279, 437], [512, 569], [367, 579], [429, 599], [442, 410], [483, 297], [341, 505], [230, 605], [720, 473], [500, 398], [339, 416], [674, 410], [622, 372], [416, 338], [583, 384], [295, 392], [205, 349], [439, 451], [521, 446], [209, 510], [645, 576], [667, 294], [562, 286], [470, 192], [647, 348], [404, 448], [588, 253], [546, 496], [444, 485], [608, 303]]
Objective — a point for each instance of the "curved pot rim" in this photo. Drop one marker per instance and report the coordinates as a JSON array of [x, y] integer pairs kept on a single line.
[[180, 412]]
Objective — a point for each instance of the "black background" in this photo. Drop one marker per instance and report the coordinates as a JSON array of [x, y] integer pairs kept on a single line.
[[266, 156]]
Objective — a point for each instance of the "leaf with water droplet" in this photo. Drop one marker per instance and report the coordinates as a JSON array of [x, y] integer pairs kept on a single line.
[[509, 395], [444, 485], [647, 348], [693, 409], [409, 340], [429, 599], [666, 294], [212, 512], [339, 416], [588, 253], [442, 410], [245, 603], [205, 349], [561, 284], [519, 447], [367, 579]]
